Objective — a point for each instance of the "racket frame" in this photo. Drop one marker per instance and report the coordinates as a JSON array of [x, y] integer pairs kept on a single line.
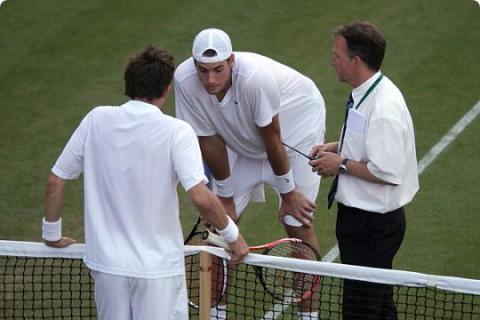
[[195, 233], [215, 239]]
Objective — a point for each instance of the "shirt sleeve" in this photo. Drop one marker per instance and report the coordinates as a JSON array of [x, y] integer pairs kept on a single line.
[[263, 95], [187, 158], [386, 149], [70, 163], [185, 109]]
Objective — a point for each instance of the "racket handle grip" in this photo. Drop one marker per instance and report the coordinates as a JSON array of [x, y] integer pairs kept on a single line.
[[215, 239]]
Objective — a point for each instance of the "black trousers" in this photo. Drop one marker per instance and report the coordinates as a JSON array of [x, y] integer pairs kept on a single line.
[[368, 239]]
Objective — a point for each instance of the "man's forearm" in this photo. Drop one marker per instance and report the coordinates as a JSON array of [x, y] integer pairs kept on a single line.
[[276, 154], [54, 194], [278, 158], [360, 170]]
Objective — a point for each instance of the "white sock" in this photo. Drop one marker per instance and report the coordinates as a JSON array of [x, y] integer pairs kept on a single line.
[[307, 315], [219, 312]]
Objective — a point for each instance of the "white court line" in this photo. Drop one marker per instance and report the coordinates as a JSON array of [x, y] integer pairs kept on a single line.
[[449, 137], [431, 155]]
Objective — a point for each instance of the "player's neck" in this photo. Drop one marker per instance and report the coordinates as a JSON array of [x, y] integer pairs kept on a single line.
[[223, 92], [158, 102], [362, 75]]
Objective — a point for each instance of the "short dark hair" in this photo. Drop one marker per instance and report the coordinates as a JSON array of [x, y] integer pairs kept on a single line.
[[148, 73], [364, 40]]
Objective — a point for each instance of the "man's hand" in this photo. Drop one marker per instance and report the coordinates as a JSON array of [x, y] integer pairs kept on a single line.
[[229, 205], [297, 205], [63, 242], [326, 164], [327, 147], [238, 250]]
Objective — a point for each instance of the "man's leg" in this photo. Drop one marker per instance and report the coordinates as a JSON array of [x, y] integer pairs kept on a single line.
[[372, 240], [355, 246], [388, 231], [308, 184], [310, 306], [162, 298], [247, 181], [112, 296]]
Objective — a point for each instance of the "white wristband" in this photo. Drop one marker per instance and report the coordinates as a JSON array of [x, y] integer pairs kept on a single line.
[[224, 187], [285, 183], [51, 231], [230, 233]]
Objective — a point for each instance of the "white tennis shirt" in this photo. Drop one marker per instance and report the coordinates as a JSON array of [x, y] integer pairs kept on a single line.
[[261, 88], [380, 132], [132, 158]]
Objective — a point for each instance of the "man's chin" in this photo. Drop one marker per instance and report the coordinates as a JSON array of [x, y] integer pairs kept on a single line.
[[212, 91]]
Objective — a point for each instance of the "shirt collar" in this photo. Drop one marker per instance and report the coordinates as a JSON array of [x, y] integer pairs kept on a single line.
[[140, 105], [359, 91]]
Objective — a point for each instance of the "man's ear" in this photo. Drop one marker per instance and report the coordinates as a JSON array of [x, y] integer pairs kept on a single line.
[[166, 92], [231, 59]]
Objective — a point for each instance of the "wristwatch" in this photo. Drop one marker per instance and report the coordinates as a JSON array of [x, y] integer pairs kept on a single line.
[[343, 167]]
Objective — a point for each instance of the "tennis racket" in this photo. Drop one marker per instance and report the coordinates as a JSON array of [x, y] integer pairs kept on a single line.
[[196, 231], [282, 284], [192, 269]]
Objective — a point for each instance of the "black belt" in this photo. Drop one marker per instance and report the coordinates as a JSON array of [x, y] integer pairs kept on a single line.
[[357, 210]]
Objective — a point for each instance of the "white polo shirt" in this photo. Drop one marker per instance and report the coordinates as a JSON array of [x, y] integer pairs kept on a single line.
[[261, 88], [380, 132], [132, 158]]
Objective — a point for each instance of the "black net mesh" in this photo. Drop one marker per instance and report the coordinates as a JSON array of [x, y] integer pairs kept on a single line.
[[61, 288], [45, 288]]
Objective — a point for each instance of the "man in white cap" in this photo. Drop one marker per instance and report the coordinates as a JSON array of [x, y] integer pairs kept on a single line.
[[242, 106]]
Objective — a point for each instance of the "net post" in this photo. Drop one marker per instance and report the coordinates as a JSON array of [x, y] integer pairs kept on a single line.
[[205, 285]]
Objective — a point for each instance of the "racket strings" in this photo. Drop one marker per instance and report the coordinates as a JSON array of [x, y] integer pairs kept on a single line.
[[219, 273], [290, 285]]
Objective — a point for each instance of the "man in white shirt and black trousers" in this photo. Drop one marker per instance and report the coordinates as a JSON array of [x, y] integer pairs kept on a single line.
[[374, 165]]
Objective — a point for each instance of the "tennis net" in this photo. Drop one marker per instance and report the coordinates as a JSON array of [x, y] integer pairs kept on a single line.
[[38, 282]]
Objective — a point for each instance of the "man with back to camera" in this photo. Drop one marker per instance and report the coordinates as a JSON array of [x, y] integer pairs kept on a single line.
[[242, 106], [132, 158], [375, 168]]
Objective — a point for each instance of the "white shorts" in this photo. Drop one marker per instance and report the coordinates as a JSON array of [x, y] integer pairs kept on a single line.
[[250, 174], [128, 298]]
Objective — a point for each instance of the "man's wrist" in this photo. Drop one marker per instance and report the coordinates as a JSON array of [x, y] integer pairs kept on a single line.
[[285, 183], [51, 231], [342, 169], [230, 232]]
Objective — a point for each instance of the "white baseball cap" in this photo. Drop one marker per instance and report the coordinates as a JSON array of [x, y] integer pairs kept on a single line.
[[211, 39]]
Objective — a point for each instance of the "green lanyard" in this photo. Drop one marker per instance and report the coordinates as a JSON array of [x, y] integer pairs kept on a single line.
[[347, 110], [369, 90]]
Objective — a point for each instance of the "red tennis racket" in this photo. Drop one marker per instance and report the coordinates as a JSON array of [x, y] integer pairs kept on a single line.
[[281, 284]]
